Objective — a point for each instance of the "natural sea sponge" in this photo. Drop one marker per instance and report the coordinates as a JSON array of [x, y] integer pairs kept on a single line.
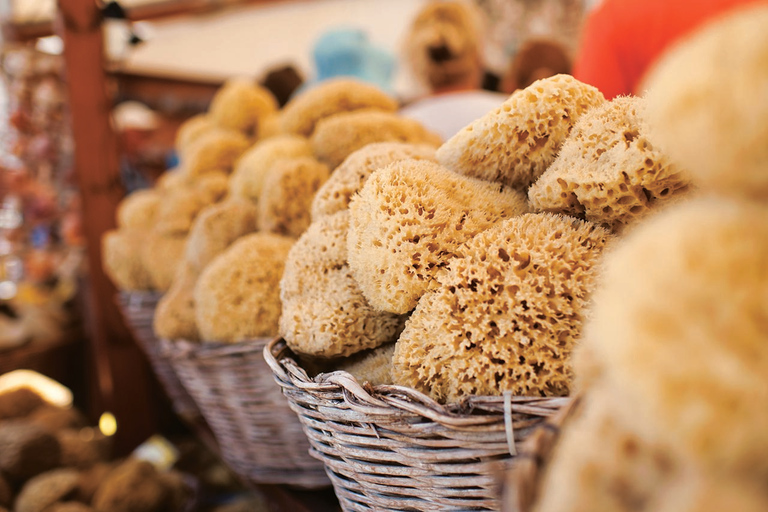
[[133, 486], [46, 489], [54, 418], [237, 296], [69, 506], [287, 193], [349, 177], [270, 126], [516, 142], [26, 450], [175, 313], [678, 326], [138, 209], [214, 150], [90, 480], [121, 258], [340, 135], [19, 402], [82, 448], [507, 312], [213, 185], [409, 219], [699, 493], [216, 228], [324, 312], [191, 130], [178, 210], [303, 112], [372, 366], [170, 180], [714, 121], [161, 256], [248, 177], [241, 104], [609, 171]]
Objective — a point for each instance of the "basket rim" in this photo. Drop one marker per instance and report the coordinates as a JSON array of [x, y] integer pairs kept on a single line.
[[185, 349], [388, 399]]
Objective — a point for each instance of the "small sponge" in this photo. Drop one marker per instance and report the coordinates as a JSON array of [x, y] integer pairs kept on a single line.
[[708, 104], [213, 185], [409, 219], [241, 104], [216, 228], [178, 210], [608, 170], [237, 296], [515, 143], [507, 313], [161, 256], [349, 177], [215, 150], [247, 179], [679, 326], [192, 129], [45, 490], [372, 366], [132, 486], [302, 113], [340, 135], [286, 197], [138, 210], [175, 313], [324, 311], [121, 259]]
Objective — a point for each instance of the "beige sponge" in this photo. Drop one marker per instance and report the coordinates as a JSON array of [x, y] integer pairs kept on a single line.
[[121, 259], [324, 311], [161, 255], [708, 104], [516, 142], [609, 171], [248, 177], [215, 150], [192, 129], [303, 112], [372, 366], [175, 313], [178, 210], [507, 312], [409, 219], [216, 228], [349, 177], [213, 186], [240, 104], [679, 327], [340, 135], [286, 197], [138, 209], [237, 296]]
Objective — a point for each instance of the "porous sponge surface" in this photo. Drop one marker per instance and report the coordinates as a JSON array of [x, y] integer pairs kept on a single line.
[[178, 210], [190, 130], [214, 150], [138, 209], [409, 219], [302, 113], [121, 259], [609, 171], [349, 177], [507, 312], [240, 105], [216, 228], [714, 120], [237, 296], [286, 197], [324, 312], [372, 366], [678, 326], [175, 313], [340, 135], [161, 255], [247, 180], [515, 143]]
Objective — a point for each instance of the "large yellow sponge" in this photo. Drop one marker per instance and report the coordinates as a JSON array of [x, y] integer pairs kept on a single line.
[[240, 104]]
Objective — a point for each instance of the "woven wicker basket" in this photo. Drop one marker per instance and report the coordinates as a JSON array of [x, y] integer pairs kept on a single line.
[[393, 448], [258, 435], [138, 309], [523, 481]]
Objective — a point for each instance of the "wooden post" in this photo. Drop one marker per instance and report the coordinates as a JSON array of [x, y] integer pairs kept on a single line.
[[123, 378]]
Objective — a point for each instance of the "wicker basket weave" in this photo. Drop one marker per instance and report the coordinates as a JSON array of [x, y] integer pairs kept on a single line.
[[259, 437], [138, 309], [393, 448]]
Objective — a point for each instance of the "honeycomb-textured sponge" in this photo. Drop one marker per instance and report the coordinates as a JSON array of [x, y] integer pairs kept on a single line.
[[213, 185], [324, 311], [303, 112], [372, 366], [237, 296], [409, 219], [178, 210], [121, 259], [679, 326], [340, 135], [708, 104], [609, 171], [247, 179], [45, 490], [287, 193], [214, 150], [516, 142], [349, 177], [175, 313], [138, 209], [161, 256], [507, 312], [216, 228], [241, 104]]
